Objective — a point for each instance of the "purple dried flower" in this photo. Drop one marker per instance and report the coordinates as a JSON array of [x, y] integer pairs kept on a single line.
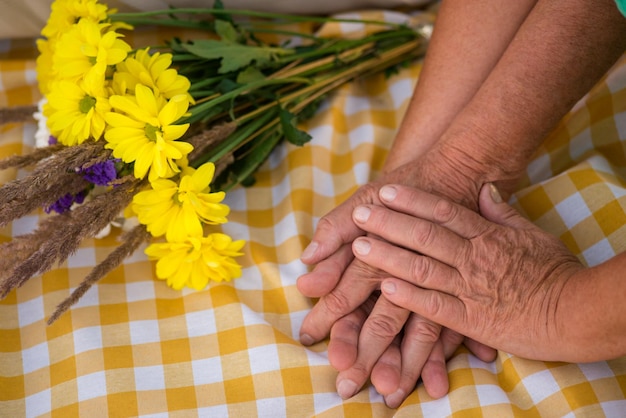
[[65, 203], [100, 174], [52, 140]]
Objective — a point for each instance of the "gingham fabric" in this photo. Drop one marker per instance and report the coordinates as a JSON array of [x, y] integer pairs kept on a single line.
[[134, 347]]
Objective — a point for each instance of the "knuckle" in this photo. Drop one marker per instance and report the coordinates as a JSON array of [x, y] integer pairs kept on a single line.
[[422, 234], [337, 304], [433, 305], [444, 211], [419, 269], [366, 272], [368, 192], [384, 326], [451, 338], [326, 224], [361, 370], [424, 331]]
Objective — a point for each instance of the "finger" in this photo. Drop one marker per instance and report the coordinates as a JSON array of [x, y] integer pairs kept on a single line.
[[421, 337], [480, 350], [493, 208], [451, 340], [335, 229], [325, 275], [355, 286], [381, 327], [407, 265], [441, 211], [438, 307], [387, 372], [435, 373], [344, 336], [410, 232]]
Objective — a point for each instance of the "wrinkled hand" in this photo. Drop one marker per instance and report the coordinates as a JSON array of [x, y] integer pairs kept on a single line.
[[496, 279], [365, 333]]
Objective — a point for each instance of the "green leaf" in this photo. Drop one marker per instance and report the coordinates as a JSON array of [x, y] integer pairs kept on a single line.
[[292, 133], [226, 86], [248, 181], [242, 171], [249, 75], [226, 31], [234, 56]]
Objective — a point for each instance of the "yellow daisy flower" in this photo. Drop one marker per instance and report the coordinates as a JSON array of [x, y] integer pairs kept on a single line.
[[84, 50], [65, 13], [76, 113], [44, 65], [152, 70], [196, 260], [144, 132], [178, 210]]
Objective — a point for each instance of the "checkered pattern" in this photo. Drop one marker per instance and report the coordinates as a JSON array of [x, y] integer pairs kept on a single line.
[[134, 347]]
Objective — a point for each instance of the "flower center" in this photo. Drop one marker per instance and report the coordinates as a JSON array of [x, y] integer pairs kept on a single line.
[[184, 191], [86, 104], [151, 132], [179, 198]]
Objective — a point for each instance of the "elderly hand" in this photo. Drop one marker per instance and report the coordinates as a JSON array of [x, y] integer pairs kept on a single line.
[[364, 332], [496, 279]]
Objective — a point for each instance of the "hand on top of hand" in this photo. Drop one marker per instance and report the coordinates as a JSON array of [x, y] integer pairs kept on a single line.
[[366, 335], [496, 277]]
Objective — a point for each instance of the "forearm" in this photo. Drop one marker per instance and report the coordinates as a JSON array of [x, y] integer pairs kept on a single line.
[[592, 314], [561, 50], [469, 39]]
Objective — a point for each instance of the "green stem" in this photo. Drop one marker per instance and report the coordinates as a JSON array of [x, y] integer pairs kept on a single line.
[[340, 46], [206, 82], [257, 156], [238, 138], [198, 110]]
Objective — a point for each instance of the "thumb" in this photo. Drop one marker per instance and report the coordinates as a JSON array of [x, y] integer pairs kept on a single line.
[[494, 209]]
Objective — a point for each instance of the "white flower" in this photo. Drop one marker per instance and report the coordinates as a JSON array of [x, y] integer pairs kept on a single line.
[[42, 136]]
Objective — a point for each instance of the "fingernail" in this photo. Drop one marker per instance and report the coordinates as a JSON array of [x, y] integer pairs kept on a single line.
[[306, 339], [388, 193], [362, 213], [395, 399], [309, 251], [495, 194], [346, 388], [361, 246], [389, 288]]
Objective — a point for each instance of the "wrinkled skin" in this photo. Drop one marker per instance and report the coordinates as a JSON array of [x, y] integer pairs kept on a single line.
[[496, 279], [369, 335]]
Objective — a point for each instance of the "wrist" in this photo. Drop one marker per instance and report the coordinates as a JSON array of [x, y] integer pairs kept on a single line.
[[482, 157], [438, 173], [590, 315]]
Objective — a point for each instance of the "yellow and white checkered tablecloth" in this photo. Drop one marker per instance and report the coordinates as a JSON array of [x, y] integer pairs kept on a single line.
[[134, 347]]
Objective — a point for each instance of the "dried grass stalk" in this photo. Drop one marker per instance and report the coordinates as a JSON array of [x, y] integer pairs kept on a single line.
[[224, 163], [209, 138], [130, 242], [59, 236], [51, 179], [17, 114], [20, 161]]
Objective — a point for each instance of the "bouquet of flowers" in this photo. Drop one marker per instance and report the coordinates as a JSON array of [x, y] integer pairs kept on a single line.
[[150, 139]]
